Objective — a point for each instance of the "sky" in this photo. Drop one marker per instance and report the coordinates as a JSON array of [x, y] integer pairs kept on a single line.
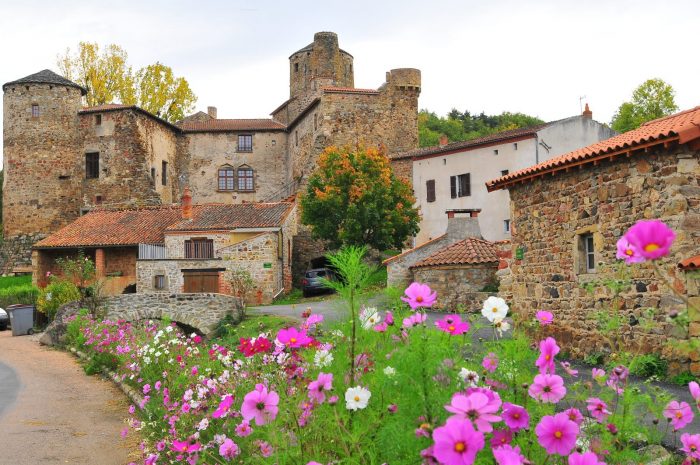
[[540, 57]]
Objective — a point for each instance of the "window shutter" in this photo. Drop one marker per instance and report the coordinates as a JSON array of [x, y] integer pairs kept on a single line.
[[430, 189], [468, 184], [453, 187]]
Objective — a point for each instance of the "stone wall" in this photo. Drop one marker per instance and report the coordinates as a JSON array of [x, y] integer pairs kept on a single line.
[[16, 253], [549, 216], [458, 287], [200, 311]]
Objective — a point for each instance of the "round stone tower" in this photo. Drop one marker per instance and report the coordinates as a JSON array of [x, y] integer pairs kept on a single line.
[[42, 156], [320, 64]]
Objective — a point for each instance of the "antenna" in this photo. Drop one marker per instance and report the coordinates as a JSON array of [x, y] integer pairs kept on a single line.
[[580, 103]]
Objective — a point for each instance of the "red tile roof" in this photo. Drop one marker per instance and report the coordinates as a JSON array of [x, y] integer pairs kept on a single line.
[[223, 125], [406, 252], [690, 264], [348, 90], [148, 225], [682, 127], [469, 251]]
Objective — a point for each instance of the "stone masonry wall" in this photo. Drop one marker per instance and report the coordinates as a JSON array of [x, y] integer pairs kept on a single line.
[[398, 269], [458, 287], [16, 252], [550, 214], [201, 311]]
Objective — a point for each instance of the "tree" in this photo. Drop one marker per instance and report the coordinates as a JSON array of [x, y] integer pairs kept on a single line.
[[651, 100], [109, 79], [354, 198]]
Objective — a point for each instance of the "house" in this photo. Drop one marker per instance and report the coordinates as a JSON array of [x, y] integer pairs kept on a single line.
[[568, 213], [179, 249], [452, 175]]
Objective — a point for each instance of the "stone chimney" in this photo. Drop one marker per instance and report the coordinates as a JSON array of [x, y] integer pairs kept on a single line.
[[187, 204], [587, 113], [462, 224], [211, 111], [443, 140]]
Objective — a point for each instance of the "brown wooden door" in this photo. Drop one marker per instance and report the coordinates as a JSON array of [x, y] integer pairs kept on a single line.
[[201, 281]]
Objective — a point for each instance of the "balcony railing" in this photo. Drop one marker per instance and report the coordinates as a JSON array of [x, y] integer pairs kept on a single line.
[[152, 252]]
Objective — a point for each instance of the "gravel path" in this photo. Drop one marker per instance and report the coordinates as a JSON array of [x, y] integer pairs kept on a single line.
[[59, 415]]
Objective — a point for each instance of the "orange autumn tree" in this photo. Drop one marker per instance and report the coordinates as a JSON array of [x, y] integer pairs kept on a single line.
[[353, 198]]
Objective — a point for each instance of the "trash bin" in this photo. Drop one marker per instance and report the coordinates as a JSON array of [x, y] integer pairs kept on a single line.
[[21, 319]]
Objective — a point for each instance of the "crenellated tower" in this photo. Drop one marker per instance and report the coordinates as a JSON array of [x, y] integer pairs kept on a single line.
[[320, 64]]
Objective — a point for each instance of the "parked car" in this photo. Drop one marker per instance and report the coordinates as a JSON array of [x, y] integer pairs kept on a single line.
[[312, 284], [4, 320]]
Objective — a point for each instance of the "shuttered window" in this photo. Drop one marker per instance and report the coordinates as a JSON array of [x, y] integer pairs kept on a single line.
[[199, 248], [460, 185], [430, 190]]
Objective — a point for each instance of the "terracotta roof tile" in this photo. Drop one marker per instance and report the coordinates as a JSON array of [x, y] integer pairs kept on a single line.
[[348, 90], [226, 216], [465, 252], [222, 125], [406, 252], [683, 127], [690, 264]]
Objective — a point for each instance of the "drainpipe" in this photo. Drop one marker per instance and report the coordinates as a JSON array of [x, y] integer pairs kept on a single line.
[[537, 148]]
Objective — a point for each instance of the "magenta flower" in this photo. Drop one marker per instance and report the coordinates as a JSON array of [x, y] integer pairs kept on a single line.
[[324, 382], [548, 350], [651, 238], [628, 252], [229, 449], [184, 447], [477, 408], [490, 362], [557, 434], [587, 458], [414, 320], [419, 295], [597, 374], [508, 455], [691, 445], [547, 388], [679, 414], [598, 408], [389, 318], [501, 437], [695, 392], [293, 338], [452, 324], [260, 405], [457, 443], [381, 327], [223, 407], [265, 448], [567, 368], [243, 429], [574, 415], [515, 416], [544, 317]]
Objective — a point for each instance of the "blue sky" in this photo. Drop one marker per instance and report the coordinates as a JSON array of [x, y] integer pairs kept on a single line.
[[536, 57]]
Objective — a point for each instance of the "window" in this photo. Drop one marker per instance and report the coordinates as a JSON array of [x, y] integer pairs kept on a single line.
[[506, 226], [296, 137], [164, 174], [199, 248], [296, 67], [495, 152], [504, 172], [588, 253], [92, 165], [315, 121], [430, 189], [515, 146], [98, 200], [460, 186], [226, 179], [245, 179], [245, 143], [159, 281], [35, 111], [98, 120], [153, 176]]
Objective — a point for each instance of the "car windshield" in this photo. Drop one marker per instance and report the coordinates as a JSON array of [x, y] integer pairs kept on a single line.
[[316, 274]]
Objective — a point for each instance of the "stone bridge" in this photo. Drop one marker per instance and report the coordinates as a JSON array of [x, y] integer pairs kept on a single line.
[[200, 311]]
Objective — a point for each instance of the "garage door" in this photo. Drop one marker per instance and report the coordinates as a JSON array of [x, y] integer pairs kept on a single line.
[[201, 281]]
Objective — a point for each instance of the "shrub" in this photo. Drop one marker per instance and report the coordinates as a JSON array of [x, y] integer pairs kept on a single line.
[[56, 294], [21, 294], [649, 365]]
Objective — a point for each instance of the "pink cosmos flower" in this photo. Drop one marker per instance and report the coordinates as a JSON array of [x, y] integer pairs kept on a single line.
[[587, 458], [507, 455], [628, 252], [477, 408], [314, 463], [598, 408], [265, 448], [457, 443], [547, 388], [146, 388], [574, 415], [567, 368], [223, 407], [695, 392], [452, 324], [691, 445], [243, 429], [229, 449], [557, 434], [414, 320], [651, 238], [548, 350], [597, 374], [389, 318], [679, 414], [324, 382], [515, 416], [293, 338], [419, 295], [381, 327], [490, 362], [260, 405], [544, 317], [501, 437], [185, 447]]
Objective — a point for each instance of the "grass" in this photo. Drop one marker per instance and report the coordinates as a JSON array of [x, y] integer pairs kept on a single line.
[[17, 290], [15, 281], [296, 297]]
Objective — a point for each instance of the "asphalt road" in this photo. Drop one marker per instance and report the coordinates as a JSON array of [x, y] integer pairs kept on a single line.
[[9, 387]]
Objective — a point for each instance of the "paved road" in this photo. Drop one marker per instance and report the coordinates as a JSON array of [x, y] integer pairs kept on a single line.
[[9, 387]]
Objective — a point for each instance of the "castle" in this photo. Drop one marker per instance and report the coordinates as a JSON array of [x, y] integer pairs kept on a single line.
[[62, 159]]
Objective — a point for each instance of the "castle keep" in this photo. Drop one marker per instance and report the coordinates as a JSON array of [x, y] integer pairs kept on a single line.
[[62, 159]]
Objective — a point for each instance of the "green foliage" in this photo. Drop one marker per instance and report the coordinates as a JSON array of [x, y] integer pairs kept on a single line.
[[23, 294], [653, 99], [683, 379], [161, 93], [56, 294], [74, 333], [649, 365], [465, 126], [354, 198], [229, 331], [14, 281]]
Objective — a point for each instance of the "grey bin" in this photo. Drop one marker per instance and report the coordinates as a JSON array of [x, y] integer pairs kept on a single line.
[[21, 319]]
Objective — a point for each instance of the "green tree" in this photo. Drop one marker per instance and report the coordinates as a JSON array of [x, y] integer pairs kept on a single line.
[[108, 78], [354, 198], [651, 100]]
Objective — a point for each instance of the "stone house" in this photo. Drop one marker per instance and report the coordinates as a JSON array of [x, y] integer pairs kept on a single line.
[[452, 175], [568, 213], [62, 160], [173, 249]]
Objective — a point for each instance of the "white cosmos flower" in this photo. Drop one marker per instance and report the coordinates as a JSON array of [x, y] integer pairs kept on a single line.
[[389, 371], [356, 398], [369, 316], [494, 308], [323, 358], [470, 378], [501, 325]]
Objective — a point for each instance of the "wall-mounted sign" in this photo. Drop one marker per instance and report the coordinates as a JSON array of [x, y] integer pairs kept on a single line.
[[267, 265], [519, 253]]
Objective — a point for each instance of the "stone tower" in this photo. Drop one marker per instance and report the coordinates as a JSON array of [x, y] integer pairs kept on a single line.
[[320, 64], [41, 191]]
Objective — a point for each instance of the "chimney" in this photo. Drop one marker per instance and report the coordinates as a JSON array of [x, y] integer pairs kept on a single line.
[[460, 226], [587, 113], [187, 204], [211, 111], [443, 140]]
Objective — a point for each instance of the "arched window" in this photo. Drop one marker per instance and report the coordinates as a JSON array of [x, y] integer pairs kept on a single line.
[[245, 179], [226, 179]]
